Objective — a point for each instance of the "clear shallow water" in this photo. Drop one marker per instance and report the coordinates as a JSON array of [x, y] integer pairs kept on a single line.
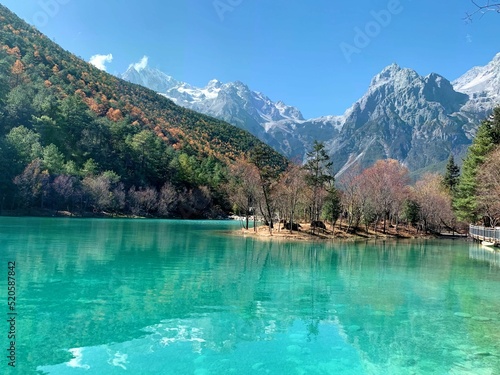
[[170, 297]]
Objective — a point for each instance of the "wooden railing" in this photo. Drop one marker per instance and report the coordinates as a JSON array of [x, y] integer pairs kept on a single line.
[[485, 234]]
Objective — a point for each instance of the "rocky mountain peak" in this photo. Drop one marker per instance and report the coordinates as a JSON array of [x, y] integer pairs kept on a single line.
[[403, 115], [151, 78]]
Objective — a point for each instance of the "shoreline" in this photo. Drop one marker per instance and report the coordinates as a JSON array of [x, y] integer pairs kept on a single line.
[[304, 235], [262, 233], [90, 215]]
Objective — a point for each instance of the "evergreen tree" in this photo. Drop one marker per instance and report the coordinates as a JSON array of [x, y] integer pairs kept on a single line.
[[487, 136], [452, 175], [318, 169], [26, 143], [332, 208], [52, 159], [8, 171], [411, 211]]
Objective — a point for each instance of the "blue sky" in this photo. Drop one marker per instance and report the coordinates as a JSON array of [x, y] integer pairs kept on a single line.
[[308, 54]]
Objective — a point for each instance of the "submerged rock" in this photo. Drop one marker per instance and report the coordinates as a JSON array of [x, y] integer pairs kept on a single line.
[[481, 318], [483, 354], [463, 315], [354, 328], [409, 362]]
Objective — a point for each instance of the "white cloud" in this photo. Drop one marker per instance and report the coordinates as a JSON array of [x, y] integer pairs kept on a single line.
[[100, 61], [141, 64]]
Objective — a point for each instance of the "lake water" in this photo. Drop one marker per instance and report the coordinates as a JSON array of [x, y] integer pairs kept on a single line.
[[169, 297]]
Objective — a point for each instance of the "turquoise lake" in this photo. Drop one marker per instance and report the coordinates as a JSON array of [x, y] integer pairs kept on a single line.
[[97, 296]]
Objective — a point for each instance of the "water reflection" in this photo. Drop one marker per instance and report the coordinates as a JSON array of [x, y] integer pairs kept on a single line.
[[484, 253], [115, 295], [181, 347]]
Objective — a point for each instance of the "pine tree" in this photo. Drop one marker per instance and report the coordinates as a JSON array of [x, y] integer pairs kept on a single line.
[[452, 175], [487, 136], [332, 208], [318, 167]]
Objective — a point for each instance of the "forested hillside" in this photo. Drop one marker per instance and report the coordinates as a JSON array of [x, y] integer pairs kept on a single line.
[[75, 138]]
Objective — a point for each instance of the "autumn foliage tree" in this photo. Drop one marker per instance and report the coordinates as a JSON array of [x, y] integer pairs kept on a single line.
[[385, 184], [17, 70]]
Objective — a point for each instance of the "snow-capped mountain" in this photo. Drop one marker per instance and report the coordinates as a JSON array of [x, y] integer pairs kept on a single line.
[[216, 98], [280, 125], [141, 74], [403, 116], [414, 119], [482, 84]]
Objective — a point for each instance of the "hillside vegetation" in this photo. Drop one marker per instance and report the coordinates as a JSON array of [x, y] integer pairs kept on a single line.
[[75, 138]]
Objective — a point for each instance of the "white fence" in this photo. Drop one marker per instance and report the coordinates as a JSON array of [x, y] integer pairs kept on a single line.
[[485, 234]]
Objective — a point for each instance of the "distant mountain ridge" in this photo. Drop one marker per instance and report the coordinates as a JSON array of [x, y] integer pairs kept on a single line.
[[417, 120], [281, 126]]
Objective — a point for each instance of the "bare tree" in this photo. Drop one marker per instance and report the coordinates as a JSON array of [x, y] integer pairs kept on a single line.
[[32, 184], [434, 203], [143, 201], [242, 187], [103, 192], [268, 174], [385, 184], [352, 198], [66, 190], [291, 190], [168, 199], [195, 203]]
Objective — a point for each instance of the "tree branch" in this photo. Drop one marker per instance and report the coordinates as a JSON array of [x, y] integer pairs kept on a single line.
[[482, 7]]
